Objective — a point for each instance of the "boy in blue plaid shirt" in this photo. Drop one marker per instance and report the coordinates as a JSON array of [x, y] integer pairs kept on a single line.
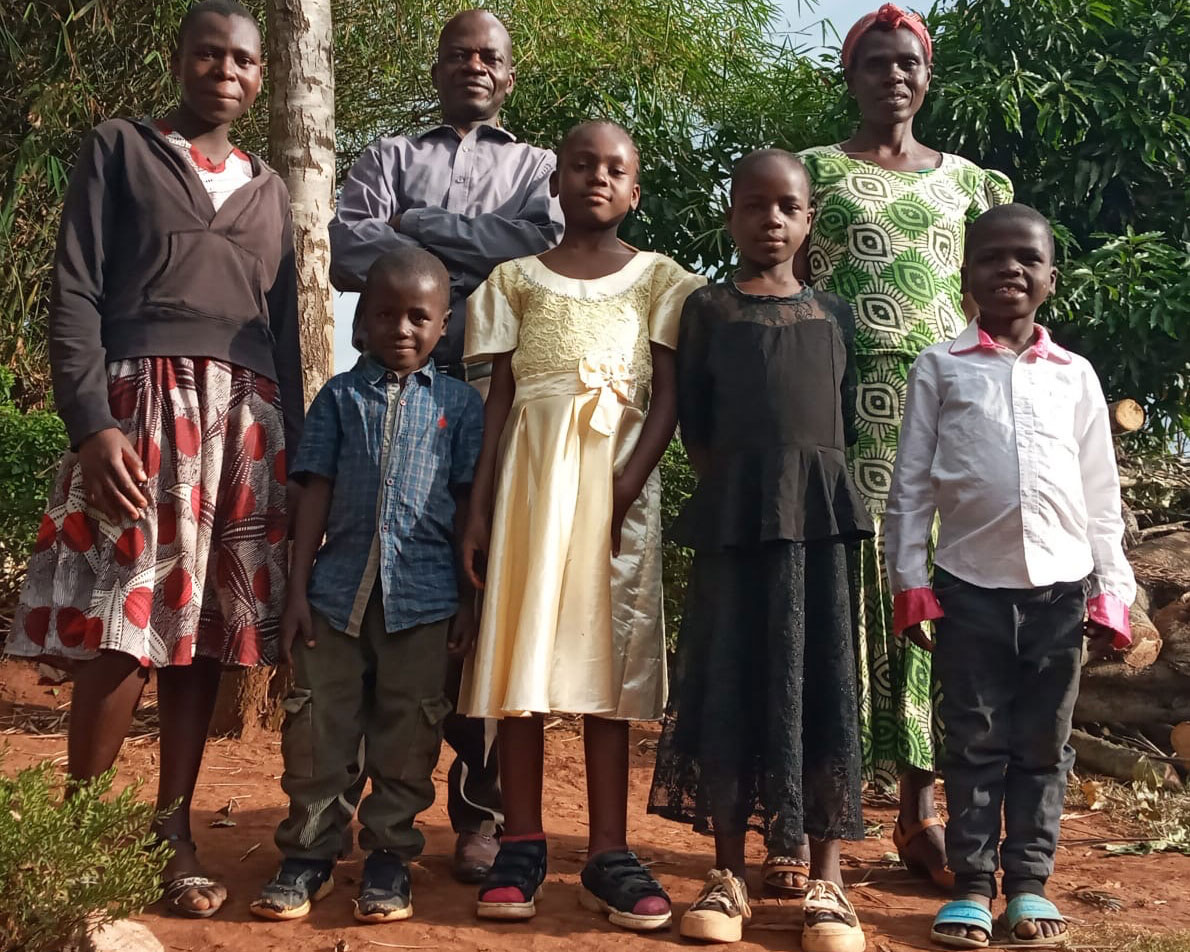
[[375, 605]]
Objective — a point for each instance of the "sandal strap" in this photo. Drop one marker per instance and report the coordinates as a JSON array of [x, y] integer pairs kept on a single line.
[[904, 835], [964, 912], [521, 865], [619, 879], [785, 864], [1027, 907], [174, 888]]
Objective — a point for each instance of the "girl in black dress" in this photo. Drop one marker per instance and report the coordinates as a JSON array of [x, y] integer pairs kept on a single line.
[[763, 730]]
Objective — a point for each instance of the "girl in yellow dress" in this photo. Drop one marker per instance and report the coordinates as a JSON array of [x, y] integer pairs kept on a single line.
[[564, 534]]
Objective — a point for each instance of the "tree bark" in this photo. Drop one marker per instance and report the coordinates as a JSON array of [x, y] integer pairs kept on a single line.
[[1115, 693], [302, 150], [1099, 756]]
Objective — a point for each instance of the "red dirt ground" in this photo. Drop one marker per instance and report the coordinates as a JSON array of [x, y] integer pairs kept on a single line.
[[894, 909]]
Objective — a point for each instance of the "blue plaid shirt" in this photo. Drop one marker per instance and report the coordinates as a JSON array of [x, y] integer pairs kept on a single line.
[[400, 449]]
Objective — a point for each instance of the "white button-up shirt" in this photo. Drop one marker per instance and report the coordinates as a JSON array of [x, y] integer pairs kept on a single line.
[[1014, 453]]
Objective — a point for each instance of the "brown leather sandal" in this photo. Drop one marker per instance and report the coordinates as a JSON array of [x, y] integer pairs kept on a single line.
[[940, 876], [775, 867]]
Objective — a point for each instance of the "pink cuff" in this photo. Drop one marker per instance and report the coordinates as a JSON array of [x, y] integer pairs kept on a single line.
[[1112, 613], [914, 606]]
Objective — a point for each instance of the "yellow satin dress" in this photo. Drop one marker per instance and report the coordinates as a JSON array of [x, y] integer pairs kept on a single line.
[[565, 626]]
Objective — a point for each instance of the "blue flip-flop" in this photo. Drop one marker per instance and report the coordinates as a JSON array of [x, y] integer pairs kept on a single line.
[[962, 912], [1029, 907]]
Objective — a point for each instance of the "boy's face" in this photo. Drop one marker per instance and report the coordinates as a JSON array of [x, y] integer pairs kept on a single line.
[[595, 181], [404, 317], [1010, 268], [770, 212]]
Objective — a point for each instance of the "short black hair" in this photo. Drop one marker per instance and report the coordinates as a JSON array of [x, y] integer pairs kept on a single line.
[[746, 165], [223, 8], [412, 262], [576, 131], [1016, 213], [473, 14]]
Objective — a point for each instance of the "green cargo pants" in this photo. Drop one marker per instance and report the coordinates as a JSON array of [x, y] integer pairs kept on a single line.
[[366, 708]]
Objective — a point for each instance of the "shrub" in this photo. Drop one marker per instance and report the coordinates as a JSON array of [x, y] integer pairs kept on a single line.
[[30, 445], [67, 863], [677, 483]]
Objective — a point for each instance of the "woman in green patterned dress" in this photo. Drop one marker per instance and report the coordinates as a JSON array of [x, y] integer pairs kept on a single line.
[[888, 237]]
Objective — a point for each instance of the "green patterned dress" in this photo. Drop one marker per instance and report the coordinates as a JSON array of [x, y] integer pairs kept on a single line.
[[891, 243]]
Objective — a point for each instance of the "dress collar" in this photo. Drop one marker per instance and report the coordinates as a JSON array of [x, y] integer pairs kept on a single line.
[[974, 338]]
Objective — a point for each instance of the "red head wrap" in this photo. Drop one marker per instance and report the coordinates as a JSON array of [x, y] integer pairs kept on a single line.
[[888, 17]]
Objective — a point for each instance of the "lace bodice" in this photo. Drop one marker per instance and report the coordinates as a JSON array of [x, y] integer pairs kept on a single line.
[[551, 322]]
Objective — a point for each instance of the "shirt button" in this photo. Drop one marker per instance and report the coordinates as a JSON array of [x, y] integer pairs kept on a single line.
[[402, 403], [466, 148], [385, 527], [459, 179], [390, 376], [389, 481]]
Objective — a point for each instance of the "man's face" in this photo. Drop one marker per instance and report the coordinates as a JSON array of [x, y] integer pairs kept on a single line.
[[474, 71]]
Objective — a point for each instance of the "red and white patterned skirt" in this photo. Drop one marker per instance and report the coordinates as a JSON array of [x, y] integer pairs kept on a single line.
[[203, 572]]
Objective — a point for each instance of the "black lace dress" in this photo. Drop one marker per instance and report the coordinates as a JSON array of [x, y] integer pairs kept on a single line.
[[762, 730]]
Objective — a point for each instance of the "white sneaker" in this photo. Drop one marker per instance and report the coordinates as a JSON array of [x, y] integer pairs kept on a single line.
[[830, 922], [720, 911]]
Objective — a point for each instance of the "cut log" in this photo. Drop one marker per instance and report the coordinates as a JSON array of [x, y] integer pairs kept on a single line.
[[1146, 640], [1114, 692], [1163, 566], [1173, 624], [1127, 416], [1096, 755], [1143, 599], [1179, 740]]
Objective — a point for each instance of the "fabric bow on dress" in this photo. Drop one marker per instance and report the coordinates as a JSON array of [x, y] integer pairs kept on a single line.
[[610, 374]]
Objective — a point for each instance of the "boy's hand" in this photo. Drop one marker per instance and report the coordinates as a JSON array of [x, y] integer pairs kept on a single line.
[[623, 496], [295, 623], [474, 547], [918, 636], [112, 475], [463, 628], [1099, 639]]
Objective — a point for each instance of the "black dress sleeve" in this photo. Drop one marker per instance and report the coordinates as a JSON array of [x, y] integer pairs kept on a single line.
[[844, 317], [693, 372]]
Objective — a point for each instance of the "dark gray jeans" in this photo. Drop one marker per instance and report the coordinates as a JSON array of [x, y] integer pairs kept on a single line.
[[1008, 661]]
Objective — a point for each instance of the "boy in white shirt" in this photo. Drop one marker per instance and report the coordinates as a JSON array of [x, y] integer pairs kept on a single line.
[[1006, 437]]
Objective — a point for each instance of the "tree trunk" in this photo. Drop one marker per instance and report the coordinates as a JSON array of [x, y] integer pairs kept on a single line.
[[1115, 693], [1099, 756], [302, 150]]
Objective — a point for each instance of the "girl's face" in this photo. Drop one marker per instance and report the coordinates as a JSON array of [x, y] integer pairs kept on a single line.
[[218, 66], [889, 76], [770, 212], [595, 182]]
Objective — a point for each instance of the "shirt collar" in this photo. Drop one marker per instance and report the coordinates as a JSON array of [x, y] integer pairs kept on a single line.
[[974, 338], [373, 371], [484, 130]]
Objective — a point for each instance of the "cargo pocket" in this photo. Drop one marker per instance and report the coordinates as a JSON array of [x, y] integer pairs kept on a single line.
[[427, 738], [297, 733]]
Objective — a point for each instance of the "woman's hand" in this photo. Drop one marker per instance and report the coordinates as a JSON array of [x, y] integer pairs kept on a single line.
[[111, 472], [474, 549]]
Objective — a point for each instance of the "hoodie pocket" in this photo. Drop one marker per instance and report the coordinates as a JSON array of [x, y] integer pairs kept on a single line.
[[204, 271]]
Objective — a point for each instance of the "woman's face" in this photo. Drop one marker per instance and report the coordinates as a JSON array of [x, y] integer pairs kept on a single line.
[[219, 67], [889, 76]]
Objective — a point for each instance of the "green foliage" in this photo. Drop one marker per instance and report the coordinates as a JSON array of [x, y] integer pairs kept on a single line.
[[1086, 106], [677, 483], [66, 862], [30, 445]]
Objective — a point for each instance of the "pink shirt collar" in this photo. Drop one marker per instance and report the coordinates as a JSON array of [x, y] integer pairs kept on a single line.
[[976, 338]]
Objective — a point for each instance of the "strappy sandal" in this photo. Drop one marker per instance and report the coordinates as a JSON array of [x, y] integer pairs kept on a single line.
[[513, 885], [940, 876], [966, 913], [172, 890], [830, 923], [777, 867], [615, 883], [1027, 907]]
